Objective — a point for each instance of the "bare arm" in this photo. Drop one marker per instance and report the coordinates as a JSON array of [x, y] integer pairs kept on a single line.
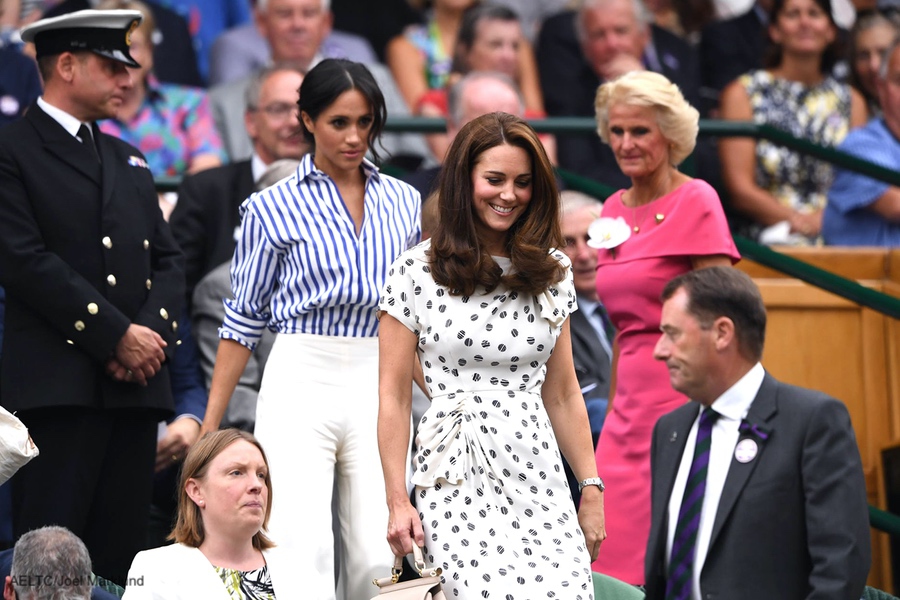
[[408, 67], [859, 112], [565, 407], [202, 162], [738, 156], [396, 364], [231, 358], [888, 205], [529, 81]]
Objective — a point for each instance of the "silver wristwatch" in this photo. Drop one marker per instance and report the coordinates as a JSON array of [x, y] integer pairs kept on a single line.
[[591, 481]]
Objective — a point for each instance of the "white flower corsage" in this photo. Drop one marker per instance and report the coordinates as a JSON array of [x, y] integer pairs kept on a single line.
[[608, 233]]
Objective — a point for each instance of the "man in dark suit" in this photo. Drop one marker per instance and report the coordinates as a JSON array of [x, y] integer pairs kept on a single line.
[[762, 495], [206, 219], [94, 282], [579, 50]]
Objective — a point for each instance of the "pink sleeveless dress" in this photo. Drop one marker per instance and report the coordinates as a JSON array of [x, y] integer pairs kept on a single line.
[[688, 222]]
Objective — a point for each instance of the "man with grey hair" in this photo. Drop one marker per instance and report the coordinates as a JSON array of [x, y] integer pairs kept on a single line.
[[49, 563], [862, 211], [295, 31], [242, 50], [579, 50]]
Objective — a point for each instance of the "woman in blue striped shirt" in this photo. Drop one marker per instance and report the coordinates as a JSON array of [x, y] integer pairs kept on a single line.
[[312, 256]]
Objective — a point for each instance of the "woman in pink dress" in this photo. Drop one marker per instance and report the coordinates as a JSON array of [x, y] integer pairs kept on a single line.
[[663, 225]]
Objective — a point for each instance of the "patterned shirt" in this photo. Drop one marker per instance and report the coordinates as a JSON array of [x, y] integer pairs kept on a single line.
[[247, 585], [299, 266], [173, 125]]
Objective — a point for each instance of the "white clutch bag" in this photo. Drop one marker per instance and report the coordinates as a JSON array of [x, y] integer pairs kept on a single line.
[[16, 447]]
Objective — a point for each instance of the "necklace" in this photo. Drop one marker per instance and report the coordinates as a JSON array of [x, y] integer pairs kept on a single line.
[[636, 223]]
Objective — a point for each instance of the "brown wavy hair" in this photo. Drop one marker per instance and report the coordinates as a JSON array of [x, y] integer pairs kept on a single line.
[[188, 528], [459, 260]]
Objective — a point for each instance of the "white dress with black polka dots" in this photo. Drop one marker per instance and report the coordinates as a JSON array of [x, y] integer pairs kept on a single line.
[[490, 488]]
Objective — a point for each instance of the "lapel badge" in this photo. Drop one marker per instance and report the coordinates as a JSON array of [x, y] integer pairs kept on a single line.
[[746, 450], [137, 161], [673, 437]]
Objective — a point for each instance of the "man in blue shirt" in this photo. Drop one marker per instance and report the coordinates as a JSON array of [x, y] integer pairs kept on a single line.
[[862, 211]]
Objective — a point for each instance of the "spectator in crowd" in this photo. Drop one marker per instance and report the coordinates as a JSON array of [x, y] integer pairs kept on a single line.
[[862, 211], [780, 190], [579, 50], [533, 12], [221, 537], [316, 283], [171, 124], [872, 34], [421, 58], [206, 219], [684, 18], [93, 279], [377, 26], [228, 100], [489, 445], [476, 94], [490, 39], [173, 49], [592, 331], [241, 51], [49, 563], [664, 224], [209, 311], [208, 19], [752, 471]]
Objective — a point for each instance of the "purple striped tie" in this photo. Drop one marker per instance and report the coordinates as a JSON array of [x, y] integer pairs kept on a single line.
[[684, 544]]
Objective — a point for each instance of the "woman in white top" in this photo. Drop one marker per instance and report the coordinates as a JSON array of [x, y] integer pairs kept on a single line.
[[310, 260], [221, 550]]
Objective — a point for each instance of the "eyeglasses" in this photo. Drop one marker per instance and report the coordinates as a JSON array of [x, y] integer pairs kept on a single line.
[[277, 110]]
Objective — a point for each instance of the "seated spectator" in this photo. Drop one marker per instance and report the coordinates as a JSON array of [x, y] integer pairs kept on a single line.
[[871, 36], [227, 100], [781, 191], [170, 124], [577, 51], [490, 39], [206, 219], [208, 314], [862, 211], [224, 501], [476, 94], [173, 49], [243, 50], [532, 13], [421, 58], [684, 18], [49, 563]]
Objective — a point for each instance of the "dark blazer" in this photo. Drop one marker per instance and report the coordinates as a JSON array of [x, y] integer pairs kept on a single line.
[[83, 254], [569, 85], [174, 58], [793, 522], [729, 49], [205, 218], [592, 363]]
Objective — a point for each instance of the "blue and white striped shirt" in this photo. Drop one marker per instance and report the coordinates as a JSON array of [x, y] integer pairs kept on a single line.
[[299, 266]]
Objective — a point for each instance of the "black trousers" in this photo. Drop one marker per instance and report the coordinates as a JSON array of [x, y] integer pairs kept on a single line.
[[94, 476]]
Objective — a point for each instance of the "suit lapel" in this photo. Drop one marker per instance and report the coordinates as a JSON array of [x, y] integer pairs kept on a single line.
[[761, 411], [584, 331], [61, 144]]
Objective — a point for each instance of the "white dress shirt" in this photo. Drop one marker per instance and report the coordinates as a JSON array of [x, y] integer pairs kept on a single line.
[[67, 121], [732, 407]]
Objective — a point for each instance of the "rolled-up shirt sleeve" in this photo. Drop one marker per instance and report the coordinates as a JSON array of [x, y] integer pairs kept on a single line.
[[253, 283]]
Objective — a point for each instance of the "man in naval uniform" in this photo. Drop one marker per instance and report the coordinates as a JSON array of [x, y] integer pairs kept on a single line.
[[93, 282]]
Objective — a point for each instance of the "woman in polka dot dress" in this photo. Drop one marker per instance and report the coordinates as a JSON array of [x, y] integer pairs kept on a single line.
[[484, 305]]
